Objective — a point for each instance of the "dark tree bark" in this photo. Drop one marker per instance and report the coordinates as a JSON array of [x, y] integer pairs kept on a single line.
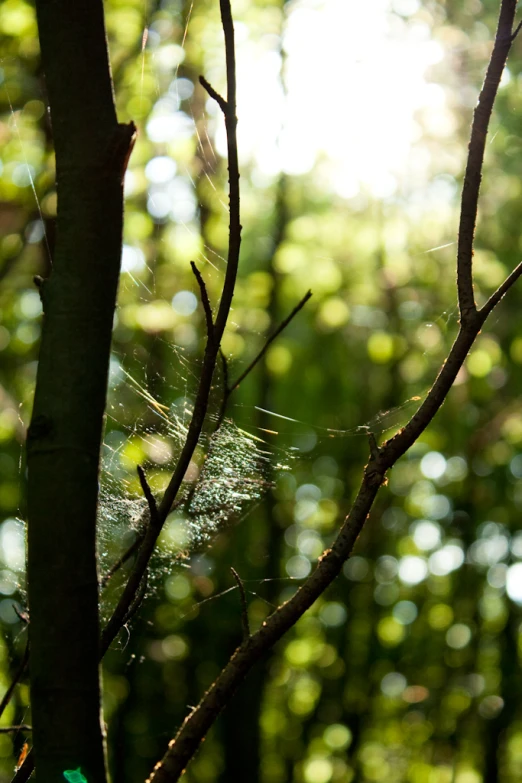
[[66, 429]]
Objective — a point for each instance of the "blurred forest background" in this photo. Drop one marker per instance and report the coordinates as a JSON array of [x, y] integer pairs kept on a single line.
[[353, 125]]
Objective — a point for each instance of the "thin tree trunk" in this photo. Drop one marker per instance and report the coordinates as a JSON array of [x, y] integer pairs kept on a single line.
[[66, 428]]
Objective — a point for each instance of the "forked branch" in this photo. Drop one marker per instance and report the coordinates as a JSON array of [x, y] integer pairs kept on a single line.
[[185, 744], [214, 337]]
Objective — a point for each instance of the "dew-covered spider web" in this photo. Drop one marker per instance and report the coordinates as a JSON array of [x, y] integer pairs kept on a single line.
[[230, 472], [234, 466]]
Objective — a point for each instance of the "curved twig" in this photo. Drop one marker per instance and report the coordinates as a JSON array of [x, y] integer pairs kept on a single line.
[[244, 605], [470, 192]]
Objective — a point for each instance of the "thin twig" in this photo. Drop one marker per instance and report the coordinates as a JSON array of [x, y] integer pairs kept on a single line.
[[124, 610], [473, 175], [268, 343], [502, 290], [214, 94], [228, 390], [140, 595], [224, 365], [123, 559], [224, 399], [204, 300], [151, 500], [110, 631], [9, 729], [133, 548], [244, 605]]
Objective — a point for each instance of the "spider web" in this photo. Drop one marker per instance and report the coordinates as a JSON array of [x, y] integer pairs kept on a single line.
[[227, 476], [230, 471]]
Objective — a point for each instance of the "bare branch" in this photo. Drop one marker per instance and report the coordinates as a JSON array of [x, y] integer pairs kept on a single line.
[[230, 54], [244, 605], [204, 300], [396, 446], [502, 290], [224, 401], [196, 725], [137, 578], [269, 342], [151, 500], [473, 175], [133, 548], [211, 349], [10, 729], [214, 94], [140, 595], [229, 389], [123, 559], [224, 364]]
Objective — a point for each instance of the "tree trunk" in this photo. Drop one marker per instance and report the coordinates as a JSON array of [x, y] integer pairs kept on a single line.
[[66, 429]]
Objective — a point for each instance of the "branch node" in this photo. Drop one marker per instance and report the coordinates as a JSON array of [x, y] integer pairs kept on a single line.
[[244, 606], [151, 500], [223, 105], [120, 146]]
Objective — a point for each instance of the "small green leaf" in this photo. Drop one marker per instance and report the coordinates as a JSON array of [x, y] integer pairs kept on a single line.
[[74, 776]]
